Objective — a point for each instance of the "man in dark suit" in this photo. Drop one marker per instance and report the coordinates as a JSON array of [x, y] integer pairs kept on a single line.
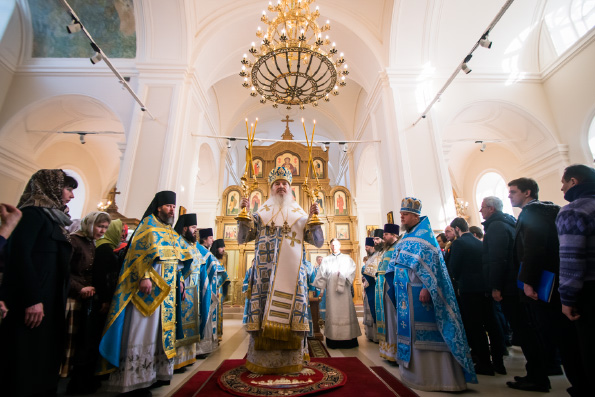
[[536, 248], [476, 307]]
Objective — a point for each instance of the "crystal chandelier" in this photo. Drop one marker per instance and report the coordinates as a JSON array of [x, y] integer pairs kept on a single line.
[[294, 64]]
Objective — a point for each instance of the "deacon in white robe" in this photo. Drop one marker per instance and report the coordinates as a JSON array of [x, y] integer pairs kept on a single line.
[[277, 288], [336, 275]]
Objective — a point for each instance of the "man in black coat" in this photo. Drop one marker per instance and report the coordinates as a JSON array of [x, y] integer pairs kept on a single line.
[[536, 248], [476, 307]]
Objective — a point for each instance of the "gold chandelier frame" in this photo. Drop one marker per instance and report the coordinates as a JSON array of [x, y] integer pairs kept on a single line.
[[293, 66]]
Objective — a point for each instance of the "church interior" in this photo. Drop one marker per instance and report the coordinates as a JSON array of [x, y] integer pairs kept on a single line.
[[427, 111]]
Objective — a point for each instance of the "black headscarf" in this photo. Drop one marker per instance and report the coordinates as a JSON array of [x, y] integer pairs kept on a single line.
[[215, 247], [161, 198], [185, 221]]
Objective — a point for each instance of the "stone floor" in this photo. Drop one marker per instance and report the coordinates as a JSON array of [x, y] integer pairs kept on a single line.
[[235, 343]]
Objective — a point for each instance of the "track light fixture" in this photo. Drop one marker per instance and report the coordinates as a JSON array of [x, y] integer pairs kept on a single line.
[[485, 42], [344, 146], [483, 146], [82, 138], [464, 67], [74, 27], [323, 146], [229, 143], [98, 56]]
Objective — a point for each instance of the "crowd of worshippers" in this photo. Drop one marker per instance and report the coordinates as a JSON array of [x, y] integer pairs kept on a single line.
[[82, 300], [444, 308], [528, 282]]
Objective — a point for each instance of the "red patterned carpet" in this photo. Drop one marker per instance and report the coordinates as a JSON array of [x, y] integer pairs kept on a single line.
[[360, 382]]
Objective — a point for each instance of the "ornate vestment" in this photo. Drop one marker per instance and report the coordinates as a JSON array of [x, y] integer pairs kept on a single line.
[[211, 272], [277, 315], [188, 312], [385, 307], [156, 252], [434, 328]]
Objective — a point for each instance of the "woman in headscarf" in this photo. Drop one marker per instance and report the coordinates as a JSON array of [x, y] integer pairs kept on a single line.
[[35, 287], [81, 307]]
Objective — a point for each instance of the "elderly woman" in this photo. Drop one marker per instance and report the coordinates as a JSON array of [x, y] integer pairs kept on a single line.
[[35, 286], [81, 308]]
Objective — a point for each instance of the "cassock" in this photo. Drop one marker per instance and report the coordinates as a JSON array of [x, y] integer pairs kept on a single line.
[[386, 314], [369, 282], [277, 314], [432, 349], [140, 334], [335, 276]]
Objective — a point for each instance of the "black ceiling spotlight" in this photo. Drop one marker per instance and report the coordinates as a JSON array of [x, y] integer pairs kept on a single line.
[[464, 67], [483, 146], [485, 41]]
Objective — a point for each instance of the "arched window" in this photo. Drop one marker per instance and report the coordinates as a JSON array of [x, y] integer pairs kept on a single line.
[[77, 204], [492, 184], [568, 20]]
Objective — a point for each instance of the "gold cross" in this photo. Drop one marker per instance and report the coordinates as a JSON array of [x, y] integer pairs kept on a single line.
[[293, 239], [286, 229], [266, 207], [296, 209]]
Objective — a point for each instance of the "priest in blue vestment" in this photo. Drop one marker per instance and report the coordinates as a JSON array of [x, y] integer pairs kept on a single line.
[[188, 302], [432, 349]]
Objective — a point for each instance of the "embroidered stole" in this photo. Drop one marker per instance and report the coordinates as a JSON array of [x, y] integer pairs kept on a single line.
[[281, 297]]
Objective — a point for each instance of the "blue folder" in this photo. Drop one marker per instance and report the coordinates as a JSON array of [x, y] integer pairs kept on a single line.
[[545, 287]]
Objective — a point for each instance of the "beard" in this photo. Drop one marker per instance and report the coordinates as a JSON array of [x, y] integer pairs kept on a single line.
[[379, 247], [190, 237], [282, 201], [163, 217]]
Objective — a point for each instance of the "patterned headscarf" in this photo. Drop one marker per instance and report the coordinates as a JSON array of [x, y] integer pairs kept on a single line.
[[112, 236], [87, 224], [44, 189]]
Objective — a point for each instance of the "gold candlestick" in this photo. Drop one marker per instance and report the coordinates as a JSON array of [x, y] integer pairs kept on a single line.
[[311, 192], [243, 216]]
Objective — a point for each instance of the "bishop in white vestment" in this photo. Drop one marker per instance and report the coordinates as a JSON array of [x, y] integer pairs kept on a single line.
[[335, 275], [277, 289]]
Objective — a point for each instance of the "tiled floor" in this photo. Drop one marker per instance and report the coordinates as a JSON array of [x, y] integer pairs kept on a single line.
[[235, 343]]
